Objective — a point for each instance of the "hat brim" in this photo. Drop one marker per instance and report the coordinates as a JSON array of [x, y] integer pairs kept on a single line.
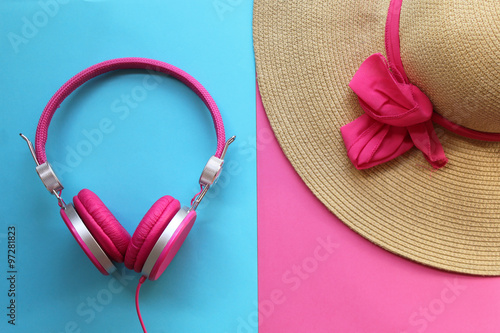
[[306, 54]]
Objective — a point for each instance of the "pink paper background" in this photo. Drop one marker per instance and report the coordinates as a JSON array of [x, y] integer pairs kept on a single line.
[[353, 285]]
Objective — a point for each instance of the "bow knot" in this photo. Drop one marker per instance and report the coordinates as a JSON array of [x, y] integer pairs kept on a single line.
[[397, 117]]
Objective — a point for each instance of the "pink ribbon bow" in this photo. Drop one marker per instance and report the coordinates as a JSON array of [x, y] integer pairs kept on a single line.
[[397, 117]]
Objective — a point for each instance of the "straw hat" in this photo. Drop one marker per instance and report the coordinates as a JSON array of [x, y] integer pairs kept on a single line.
[[307, 52]]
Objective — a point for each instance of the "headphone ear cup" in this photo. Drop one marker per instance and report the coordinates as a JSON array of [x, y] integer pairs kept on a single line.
[[149, 230], [102, 224]]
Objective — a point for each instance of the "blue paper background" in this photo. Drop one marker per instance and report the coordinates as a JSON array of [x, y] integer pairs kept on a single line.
[[156, 145]]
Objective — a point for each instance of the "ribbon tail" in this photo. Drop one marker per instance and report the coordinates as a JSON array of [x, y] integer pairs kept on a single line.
[[426, 140], [370, 143]]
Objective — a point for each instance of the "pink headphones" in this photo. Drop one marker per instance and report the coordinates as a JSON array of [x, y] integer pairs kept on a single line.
[[165, 226]]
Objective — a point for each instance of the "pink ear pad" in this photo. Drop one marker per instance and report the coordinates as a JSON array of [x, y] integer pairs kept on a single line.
[[105, 228], [149, 230], [82, 244], [173, 246]]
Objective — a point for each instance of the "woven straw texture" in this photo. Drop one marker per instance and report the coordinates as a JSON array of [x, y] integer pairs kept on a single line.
[[307, 52]]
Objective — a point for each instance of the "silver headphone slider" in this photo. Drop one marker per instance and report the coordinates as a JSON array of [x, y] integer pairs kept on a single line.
[[211, 171], [214, 165], [49, 178], [46, 174]]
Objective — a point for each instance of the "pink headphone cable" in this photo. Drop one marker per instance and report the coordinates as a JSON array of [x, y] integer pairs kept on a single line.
[[141, 281]]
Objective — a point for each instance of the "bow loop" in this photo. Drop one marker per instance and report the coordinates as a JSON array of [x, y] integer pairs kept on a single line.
[[387, 100], [397, 117]]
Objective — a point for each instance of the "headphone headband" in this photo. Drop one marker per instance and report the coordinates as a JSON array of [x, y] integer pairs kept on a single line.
[[125, 63]]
